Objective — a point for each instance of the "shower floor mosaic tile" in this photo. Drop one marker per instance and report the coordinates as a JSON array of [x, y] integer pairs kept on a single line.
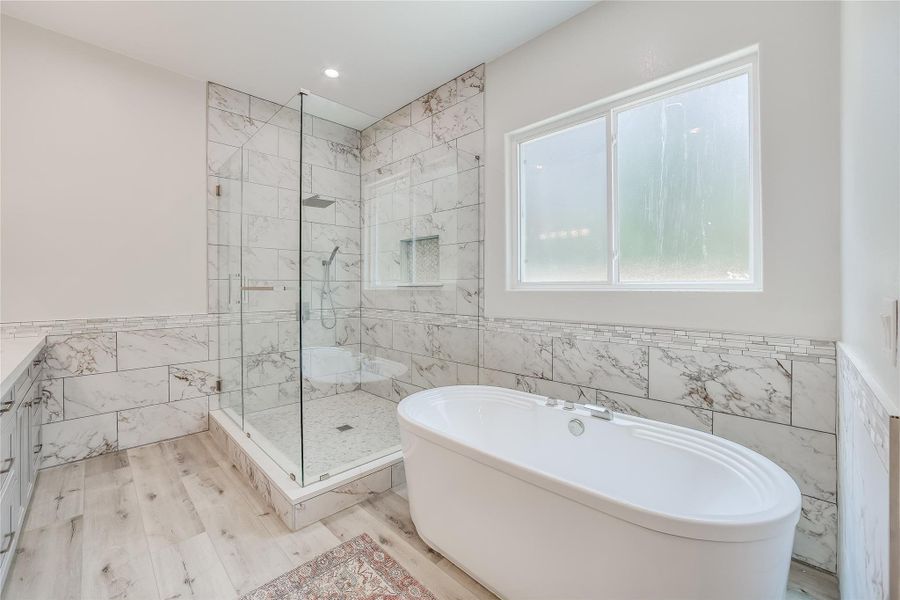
[[344, 430]]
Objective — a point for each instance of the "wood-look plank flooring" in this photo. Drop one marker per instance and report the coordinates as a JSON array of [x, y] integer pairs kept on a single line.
[[175, 520]]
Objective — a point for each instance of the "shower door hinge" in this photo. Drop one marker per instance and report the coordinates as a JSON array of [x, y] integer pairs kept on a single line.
[[218, 190], [324, 476], [217, 386]]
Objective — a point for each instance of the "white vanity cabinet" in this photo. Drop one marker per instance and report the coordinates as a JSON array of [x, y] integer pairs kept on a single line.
[[20, 438]]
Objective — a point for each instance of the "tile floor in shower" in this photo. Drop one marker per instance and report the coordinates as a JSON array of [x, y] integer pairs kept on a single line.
[[338, 432]]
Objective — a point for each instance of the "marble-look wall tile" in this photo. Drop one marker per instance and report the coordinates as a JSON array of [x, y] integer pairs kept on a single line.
[[223, 160], [67, 441], [194, 380], [676, 414], [52, 400], [457, 344], [108, 392], [737, 384], [518, 353], [232, 129], [611, 367], [223, 98], [266, 369], [260, 338], [814, 392], [379, 155], [274, 113], [411, 337], [808, 456], [269, 232], [150, 424], [347, 495], [534, 385], [157, 347], [377, 332], [268, 169], [458, 120], [816, 539], [410, 141], [329, 182], [437, 162], [456, 190], [434, 101], [428, 372], [323, 238], [401, 389], [470, 83], [398, 475], [864, 487], [387, 363], [80, 354], [328, 130]]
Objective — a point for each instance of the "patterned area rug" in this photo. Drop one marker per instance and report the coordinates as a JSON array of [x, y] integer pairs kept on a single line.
[[358, 569]]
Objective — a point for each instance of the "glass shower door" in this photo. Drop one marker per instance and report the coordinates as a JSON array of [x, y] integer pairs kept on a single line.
[[225, 202], [258, 234]]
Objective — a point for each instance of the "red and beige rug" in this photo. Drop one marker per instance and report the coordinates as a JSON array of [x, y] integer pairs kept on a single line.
[[358, 569]]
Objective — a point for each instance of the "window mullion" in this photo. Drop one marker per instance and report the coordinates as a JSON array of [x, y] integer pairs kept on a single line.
[[611, 211]]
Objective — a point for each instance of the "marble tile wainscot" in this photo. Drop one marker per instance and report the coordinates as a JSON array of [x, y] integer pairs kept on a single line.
[[776, 396], [773, 394], [868, 496], [113, 384]]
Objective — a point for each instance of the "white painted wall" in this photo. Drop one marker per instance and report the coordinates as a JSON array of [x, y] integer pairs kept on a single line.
[[618, 45], [870, 186], [103, 171]]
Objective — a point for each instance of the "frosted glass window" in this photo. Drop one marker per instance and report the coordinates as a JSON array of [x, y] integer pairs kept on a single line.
[[563, 205], [675, 168], [684, 193]]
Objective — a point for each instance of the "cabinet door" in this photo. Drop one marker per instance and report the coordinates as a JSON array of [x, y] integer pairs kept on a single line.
[[36, 446], [23, 422], [9, 518], [8, 443]]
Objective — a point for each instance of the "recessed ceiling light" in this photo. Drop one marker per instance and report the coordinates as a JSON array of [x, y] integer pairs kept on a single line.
[[332, 73]]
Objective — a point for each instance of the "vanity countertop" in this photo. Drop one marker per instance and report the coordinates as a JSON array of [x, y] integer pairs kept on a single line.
[[15, 356]]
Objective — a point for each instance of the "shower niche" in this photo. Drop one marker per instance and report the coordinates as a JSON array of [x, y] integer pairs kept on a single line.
[[420, 260]]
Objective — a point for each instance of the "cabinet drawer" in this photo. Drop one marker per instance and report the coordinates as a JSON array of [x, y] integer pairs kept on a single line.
[[9, 518]]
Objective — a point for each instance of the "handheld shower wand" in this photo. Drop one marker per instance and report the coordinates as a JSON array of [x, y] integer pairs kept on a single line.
[[327, 294]]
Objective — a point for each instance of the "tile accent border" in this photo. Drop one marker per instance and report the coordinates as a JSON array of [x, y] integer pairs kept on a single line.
[[701, 340]]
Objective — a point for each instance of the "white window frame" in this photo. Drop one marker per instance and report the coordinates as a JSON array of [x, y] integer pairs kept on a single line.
[[745, 61]]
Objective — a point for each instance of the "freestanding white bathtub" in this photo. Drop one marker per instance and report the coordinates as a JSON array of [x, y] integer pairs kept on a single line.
[[631, 508]]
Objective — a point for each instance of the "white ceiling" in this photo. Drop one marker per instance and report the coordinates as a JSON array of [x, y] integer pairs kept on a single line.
[[388, 53]]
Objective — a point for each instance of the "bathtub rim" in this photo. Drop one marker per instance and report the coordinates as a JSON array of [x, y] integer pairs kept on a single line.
[[777, 518]]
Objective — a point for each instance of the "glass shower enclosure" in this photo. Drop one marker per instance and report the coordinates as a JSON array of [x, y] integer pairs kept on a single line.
[[289, 284], [346, 270]]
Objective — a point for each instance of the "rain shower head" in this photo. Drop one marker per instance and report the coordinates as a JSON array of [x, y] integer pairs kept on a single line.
[[317, 201]]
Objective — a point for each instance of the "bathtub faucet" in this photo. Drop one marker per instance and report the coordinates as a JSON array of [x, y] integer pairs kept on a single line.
[[601, 412]]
